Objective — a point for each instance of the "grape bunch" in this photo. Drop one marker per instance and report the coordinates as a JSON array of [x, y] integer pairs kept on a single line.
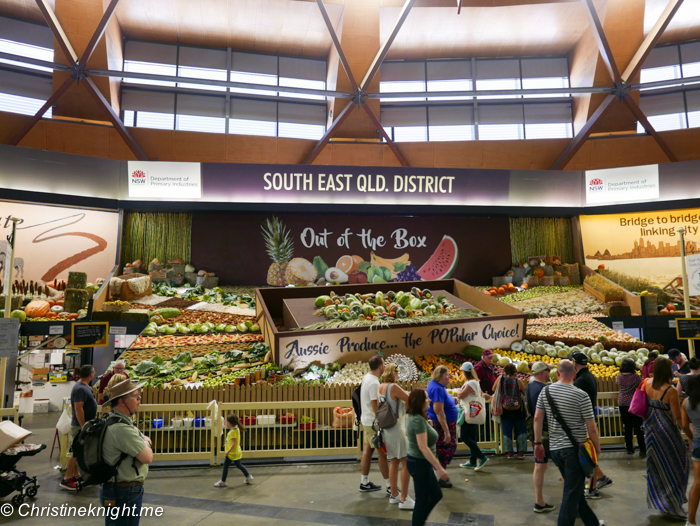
[[410, 274]]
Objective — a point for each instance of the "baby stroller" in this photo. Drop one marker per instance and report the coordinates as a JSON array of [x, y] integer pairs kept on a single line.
[[10, 453]]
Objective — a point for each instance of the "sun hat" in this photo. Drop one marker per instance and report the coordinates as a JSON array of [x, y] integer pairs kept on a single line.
[[467, 367], [124, 388], [538, 367]]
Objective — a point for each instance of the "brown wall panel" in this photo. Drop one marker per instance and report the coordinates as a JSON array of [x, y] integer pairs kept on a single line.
[[78, 138], [458, 154], [205, 147], [158, 144], [232, 246]]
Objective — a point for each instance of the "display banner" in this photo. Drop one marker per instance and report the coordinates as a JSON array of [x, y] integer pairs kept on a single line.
[[641, 244], [692, 265], [622, 185], [164, 180], [411, 340], [243, 249], [52, 241], [278, 183]]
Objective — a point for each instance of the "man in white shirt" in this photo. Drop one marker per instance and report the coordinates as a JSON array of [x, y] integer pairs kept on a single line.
[[369, 397]]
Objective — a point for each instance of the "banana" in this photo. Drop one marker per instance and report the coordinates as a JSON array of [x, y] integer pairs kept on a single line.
[[377, 261]]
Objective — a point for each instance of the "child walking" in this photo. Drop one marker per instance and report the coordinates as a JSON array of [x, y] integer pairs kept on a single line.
[[233, 450]]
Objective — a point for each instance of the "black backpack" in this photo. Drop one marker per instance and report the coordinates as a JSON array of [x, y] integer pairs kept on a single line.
[[87, 451], [357, 405]]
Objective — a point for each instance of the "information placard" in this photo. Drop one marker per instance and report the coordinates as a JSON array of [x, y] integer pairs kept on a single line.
[[9, 336], [688, 328], [55, 330], [94, 334]]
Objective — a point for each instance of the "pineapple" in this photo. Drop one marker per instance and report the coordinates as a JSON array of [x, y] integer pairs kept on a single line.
[[300, 271], [280, 248]]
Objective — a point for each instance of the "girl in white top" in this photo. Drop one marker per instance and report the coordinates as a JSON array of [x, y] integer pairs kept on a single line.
[[471, 390]]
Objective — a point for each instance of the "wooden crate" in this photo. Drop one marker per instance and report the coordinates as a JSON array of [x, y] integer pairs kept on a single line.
[[599, 296]]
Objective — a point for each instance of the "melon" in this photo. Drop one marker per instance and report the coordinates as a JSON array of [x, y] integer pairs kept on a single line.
[[442, 263]]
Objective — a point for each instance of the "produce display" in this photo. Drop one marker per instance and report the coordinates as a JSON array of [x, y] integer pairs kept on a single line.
[[604, 286], [149, 342], [380, 309], [351, 374], [138, 355], [574, 327]]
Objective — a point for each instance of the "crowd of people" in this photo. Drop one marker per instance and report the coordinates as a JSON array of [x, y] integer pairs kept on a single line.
[[559, 418], [418, 435]]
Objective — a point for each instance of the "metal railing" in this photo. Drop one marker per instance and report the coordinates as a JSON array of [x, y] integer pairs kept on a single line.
[[279, 429]]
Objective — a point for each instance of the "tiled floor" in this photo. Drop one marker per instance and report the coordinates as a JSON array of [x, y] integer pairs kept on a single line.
[[310, 494]]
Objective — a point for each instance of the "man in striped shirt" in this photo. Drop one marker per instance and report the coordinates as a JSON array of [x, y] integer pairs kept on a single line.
[[574, 407]]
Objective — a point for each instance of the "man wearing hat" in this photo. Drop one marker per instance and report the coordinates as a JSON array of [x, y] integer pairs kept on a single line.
[[124, 439], [485, 371], [540, 377], [588, 383]]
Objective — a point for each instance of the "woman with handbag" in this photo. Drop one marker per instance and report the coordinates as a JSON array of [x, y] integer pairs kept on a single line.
[[443, 415], [473, 402], [395, 436], [667, 455], [513, 418], [628, 380]]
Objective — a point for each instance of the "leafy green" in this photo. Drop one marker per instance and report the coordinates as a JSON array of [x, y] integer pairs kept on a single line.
[[211, 359], [233, 355], [146, 368], [158, 360], [182, 359]]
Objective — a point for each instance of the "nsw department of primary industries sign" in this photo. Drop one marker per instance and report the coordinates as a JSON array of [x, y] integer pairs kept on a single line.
[[164, 180]]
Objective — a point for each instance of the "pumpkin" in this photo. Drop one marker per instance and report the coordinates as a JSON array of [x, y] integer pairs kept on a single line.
[[487, 293], [501, 290], [37, 309], [524, 286], [493, 293], [538, 272]]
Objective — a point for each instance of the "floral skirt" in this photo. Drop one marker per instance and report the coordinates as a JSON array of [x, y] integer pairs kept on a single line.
[[445, 450]]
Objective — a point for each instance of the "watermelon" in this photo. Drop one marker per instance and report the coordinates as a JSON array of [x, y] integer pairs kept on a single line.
[[442, 263]]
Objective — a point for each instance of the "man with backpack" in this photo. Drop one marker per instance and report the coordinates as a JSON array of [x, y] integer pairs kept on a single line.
[[84, 408], [125, 447], [369, 402]]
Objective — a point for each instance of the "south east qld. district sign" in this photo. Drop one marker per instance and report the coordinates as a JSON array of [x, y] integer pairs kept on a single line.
[[302, 348]]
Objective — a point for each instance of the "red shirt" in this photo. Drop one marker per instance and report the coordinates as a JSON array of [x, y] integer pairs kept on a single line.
[[647, 368], [487, 376], [105, 380]]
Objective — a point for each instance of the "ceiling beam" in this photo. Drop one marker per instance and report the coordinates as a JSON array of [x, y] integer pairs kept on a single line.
[[639, 114], [39, 114], [651, 40], [601, 39], [99, 31], [380, 129], [116, 121], [384, 50], [57, 31], [575, 145], [316, 150], [336, 43]]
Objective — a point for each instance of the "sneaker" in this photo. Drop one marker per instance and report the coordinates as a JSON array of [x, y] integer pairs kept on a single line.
[[604, 482], [249, 479], [220, 484], [509, 456], [407, 504], [388, 491], [395, 500], [521, 456], [70, 484], [593, 494], [370, 486], [630, 451], [467, 465], [543, 509], [480, 463], [445, 483]]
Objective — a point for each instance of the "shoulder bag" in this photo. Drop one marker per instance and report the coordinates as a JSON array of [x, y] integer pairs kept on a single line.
[[474, 408], [638, 405], [587, 455]]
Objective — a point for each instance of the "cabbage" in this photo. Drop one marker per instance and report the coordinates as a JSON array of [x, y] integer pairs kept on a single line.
[[503, 362], [563, 353], [540, 350], [516, 346], [619, 360], [595, 358], [523, 367], [639, 365], [603, 353], [608, 361], [559, 344], [552, 353], [598, 347], [643, 351]]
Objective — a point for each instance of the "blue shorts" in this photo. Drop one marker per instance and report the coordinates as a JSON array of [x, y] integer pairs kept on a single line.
[[547, 456]]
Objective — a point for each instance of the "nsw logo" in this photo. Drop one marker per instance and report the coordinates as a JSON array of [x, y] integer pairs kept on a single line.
[[138, 177], [595, 185]]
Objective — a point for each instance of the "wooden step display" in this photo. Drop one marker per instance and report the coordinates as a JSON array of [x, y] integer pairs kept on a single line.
[[122, 291]]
